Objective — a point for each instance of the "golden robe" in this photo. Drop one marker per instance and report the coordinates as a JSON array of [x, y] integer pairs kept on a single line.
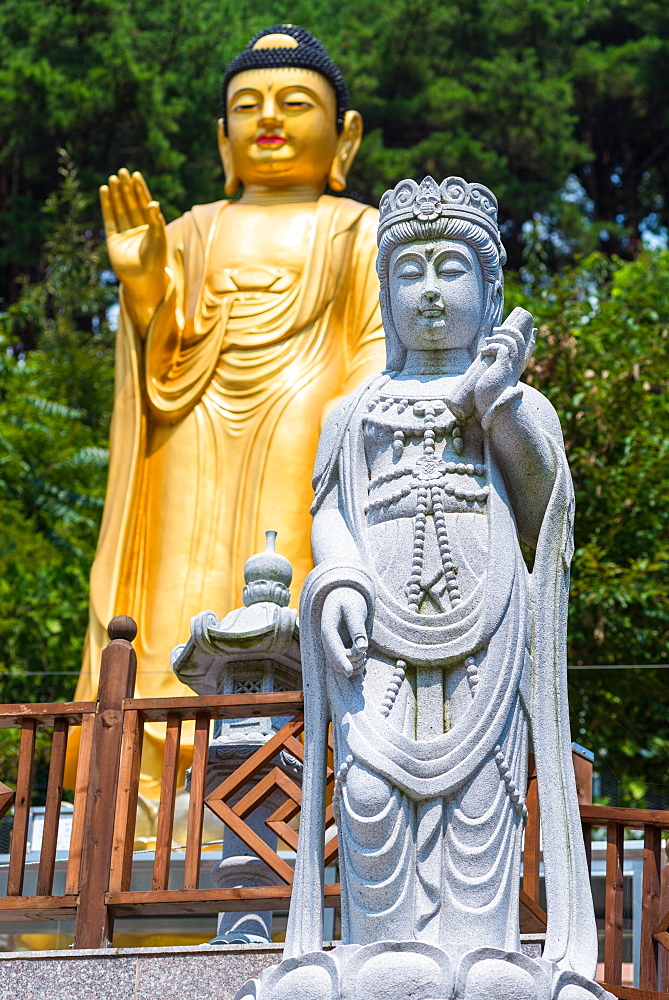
[[215, 429]]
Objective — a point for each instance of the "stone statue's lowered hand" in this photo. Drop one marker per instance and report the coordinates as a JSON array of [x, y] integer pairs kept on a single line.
[[137, 242], [343, 630]]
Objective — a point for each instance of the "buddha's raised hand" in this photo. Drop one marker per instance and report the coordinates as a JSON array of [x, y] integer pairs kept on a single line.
[[136, 240]]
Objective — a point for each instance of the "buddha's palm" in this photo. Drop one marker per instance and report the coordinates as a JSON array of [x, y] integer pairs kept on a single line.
[[136, 240]]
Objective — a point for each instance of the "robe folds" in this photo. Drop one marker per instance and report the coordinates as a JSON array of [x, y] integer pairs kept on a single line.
[[215, 430], [421, 858]]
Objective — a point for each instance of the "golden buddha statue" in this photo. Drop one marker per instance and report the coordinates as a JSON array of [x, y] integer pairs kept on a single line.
[[241, 323]]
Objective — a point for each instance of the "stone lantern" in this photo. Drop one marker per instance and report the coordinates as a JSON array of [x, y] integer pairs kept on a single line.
[[253, 649]]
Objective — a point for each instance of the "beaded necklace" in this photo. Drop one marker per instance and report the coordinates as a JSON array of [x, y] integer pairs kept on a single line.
[[428, 478]]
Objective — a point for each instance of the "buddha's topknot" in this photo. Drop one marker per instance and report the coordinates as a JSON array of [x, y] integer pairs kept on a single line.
[[307, 54]]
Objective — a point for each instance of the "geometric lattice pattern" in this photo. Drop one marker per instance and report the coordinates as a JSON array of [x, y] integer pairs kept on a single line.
[[248, 687], [276, 780]]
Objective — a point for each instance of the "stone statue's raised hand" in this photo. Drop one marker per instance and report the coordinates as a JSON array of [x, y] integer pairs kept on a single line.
[[506, 349], [480, 385], [136, 240], [343, 630]]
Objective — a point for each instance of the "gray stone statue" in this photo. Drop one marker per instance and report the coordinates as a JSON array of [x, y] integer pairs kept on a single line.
[[436, 655]]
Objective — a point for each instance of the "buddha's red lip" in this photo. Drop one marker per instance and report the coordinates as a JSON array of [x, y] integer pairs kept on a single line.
[[270, 140]]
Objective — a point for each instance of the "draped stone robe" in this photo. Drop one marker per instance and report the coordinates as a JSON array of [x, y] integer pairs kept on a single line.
[[215, 429], [431, 739]]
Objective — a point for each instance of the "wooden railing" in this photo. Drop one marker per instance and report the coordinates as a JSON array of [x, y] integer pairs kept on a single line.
[[99, 866], [654, 969], [654, 952]]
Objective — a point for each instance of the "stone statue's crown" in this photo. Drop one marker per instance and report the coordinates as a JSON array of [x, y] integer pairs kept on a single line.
[[428, 201]]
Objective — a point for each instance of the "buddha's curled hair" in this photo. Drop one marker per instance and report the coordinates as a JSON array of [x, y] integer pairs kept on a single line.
[[309, 53]]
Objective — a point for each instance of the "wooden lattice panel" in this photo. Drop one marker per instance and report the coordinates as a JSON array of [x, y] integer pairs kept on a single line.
[[233, 816]]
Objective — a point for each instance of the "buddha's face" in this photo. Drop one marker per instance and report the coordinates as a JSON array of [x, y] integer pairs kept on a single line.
[[281, 126], [437, 295]]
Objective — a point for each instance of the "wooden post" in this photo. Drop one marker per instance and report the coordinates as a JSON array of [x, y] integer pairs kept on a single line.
[[94, 924], [24, 784], [72, 880], [532, 847], [198, 780], [126, 802], [664, 906], [583, 773], [650, 906], [613, 918], [168, 790], [54, 794], [583, 767]]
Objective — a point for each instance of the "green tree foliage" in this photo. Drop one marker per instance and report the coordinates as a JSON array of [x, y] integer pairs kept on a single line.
[[602, 357], [520, 96], [54, 413], [55, 404]]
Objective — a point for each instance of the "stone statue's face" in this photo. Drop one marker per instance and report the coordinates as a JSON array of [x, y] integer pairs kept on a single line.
[[437, 295], [281, 125]]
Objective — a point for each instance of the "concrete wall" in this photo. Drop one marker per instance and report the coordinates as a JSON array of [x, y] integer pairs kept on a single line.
[[180, 973]]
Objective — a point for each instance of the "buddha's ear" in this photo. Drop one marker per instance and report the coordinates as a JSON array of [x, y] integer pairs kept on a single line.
[[347, 146], [231, 179]]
